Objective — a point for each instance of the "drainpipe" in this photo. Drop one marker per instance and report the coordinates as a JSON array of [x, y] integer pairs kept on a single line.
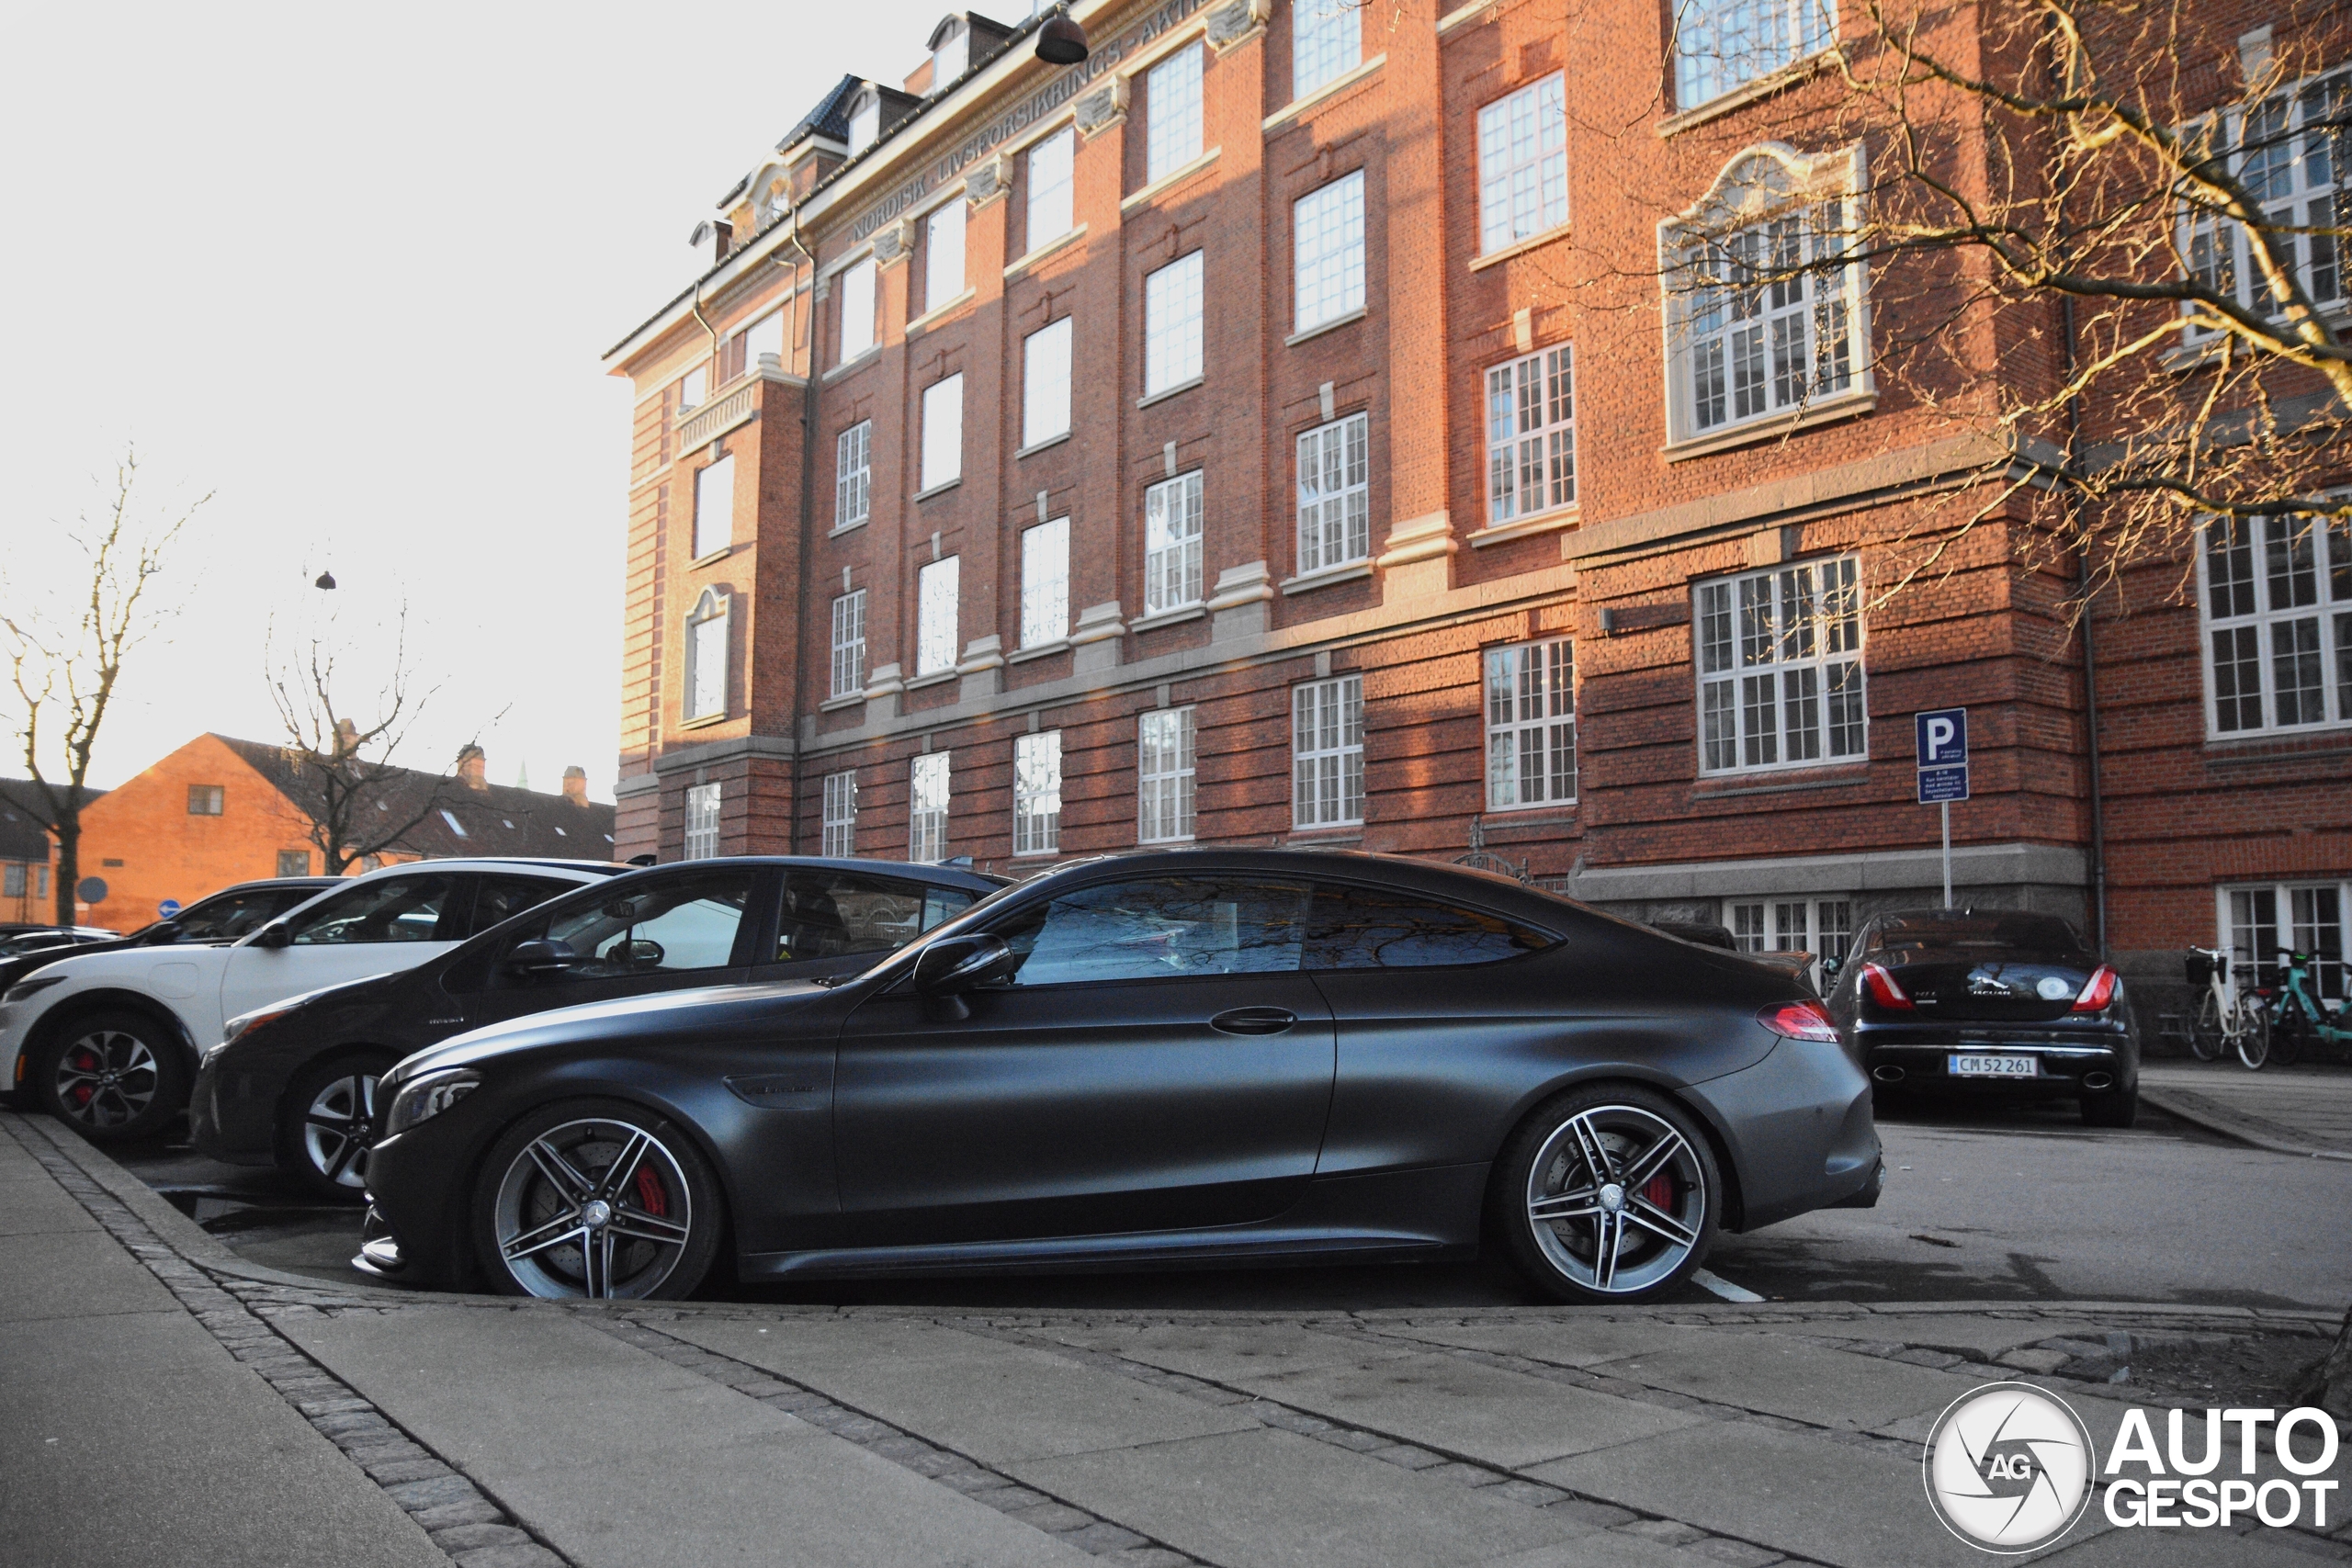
[[2090, 658], [808, 510]]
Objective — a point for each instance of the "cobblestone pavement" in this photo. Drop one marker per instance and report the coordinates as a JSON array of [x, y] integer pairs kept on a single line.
[[1532, 1436]]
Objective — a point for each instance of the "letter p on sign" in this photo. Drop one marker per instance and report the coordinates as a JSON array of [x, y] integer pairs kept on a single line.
[[1943, 738]]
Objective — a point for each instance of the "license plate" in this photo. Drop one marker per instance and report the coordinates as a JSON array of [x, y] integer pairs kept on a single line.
[[1995, 1067]]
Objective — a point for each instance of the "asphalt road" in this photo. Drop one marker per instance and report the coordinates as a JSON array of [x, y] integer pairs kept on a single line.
[[1999, 1203]]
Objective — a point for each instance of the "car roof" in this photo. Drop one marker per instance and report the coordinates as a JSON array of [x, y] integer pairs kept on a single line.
[[927, 871], [489, 863]]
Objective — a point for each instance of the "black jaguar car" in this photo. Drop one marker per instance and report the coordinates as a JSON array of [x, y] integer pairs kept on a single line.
[[1971, 1001], [294, 1083], [1194, 1057]]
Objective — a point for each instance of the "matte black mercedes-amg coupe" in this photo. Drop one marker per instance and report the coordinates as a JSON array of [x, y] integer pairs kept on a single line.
[[1161, 1059]]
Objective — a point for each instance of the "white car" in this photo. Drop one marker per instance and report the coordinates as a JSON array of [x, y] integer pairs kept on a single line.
[[108, 1041]]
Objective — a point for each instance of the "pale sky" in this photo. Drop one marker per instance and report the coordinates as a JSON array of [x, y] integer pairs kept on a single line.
[[352, 269]]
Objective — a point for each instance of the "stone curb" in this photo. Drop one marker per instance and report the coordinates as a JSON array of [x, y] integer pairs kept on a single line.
[[457, 1516], [2260, 1132]]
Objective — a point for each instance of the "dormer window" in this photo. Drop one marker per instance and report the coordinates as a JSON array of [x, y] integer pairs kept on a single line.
[[951, 53], [864, 121]]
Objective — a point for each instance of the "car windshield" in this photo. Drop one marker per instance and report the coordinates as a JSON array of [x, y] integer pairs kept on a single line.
[[1939, 932]]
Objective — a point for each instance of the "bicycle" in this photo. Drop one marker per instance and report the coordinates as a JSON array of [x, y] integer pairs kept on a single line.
[[2303, 1017], [2221, 1024]]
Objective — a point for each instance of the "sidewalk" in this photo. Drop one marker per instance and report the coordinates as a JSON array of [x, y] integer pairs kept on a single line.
[[2297, 1110], [368, 1426]]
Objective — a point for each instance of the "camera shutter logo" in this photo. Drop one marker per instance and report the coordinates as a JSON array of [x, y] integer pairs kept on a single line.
[[2008, 1468]]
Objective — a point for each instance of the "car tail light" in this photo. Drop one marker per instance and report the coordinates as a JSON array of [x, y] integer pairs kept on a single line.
[[1800, 1020], [1883, 988], [2098, 992]]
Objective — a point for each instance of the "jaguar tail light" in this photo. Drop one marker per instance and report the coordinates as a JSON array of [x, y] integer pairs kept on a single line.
[[1884, 989], [1800, 1020], [2099, 991]]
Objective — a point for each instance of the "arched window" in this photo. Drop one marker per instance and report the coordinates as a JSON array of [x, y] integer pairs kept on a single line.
[[706, 692]]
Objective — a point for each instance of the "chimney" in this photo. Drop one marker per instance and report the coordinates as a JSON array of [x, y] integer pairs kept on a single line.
[[575, 784], [473, 767]]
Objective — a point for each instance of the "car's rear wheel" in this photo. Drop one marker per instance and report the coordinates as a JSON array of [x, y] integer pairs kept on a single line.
[[1608, 1195], [327, 1121], [113, 1076], [600, 1199]]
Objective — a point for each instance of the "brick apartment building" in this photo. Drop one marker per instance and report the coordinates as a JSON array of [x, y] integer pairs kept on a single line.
[[219, 810], [1273, 429]]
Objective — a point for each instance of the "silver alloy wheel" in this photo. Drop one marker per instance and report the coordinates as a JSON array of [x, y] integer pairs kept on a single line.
[[592, 1208], [106, 1078], [1617, 1199], [339, 1126]]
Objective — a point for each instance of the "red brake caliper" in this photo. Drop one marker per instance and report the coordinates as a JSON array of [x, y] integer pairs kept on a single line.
[[84, 1062], [1660, 1192], [650, 1196]]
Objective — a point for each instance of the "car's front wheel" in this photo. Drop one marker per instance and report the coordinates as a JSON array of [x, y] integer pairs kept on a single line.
[[1608, 1195], [113, 1076], [328, 1122], [596, 1199]]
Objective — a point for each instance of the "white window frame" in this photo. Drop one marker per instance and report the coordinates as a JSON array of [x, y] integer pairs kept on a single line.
[[1523, 165], [848, 670], [1326, 254], [1531, 435], [1172, 112], [702, 822], [1327, 753], [1050, 170], [1532, 725], [2314, 637], [1325, 42], [1794, 923], [864, 121], [1766, 302], [943, 431], [1723, 45], [1165, 739], [692, 387], [1037, 793], [1764, 641], [1044, 383], [938, 586], [714, 521], [2299, 916], [856, 285], [838, 838], [1172, 337], [2300, 179], [927, 779], [704, 692], [853, 476], [1173, 517], [942, 254], [1045, 583], [1335, 494]]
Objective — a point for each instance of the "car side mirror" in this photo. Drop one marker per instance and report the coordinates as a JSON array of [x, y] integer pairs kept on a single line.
[[542, 956], [165, 933], [274, 935], [962, 964]]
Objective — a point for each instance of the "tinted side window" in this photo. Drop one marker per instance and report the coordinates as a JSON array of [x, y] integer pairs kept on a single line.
[[689, 923], [1160, 927], [829, 913], [944, 903], [234, 915], [1364, 927], [399, 908], [502, 895]]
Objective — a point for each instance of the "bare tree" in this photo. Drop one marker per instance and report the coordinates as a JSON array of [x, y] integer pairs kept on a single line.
[[66, 652], [359, 801]]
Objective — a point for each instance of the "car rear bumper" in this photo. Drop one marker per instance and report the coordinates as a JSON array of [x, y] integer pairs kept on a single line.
[[1798, 1130], [2060, 1070]]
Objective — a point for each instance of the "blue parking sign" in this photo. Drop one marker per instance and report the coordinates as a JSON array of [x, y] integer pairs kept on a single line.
[[1943, 738]]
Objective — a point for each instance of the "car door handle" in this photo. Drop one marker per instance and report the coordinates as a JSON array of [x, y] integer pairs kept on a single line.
[[1253, 1020]]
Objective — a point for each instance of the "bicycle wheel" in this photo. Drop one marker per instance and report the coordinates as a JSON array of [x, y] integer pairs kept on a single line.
[[2254, 1038], [2205, 1032]]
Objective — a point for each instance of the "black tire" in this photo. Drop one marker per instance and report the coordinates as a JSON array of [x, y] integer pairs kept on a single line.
[[1663, 1220], [2111, 1110], [112, 1077], [2253, 1043], [326, 1120], [2289, 1035], [644, 1251], [2205, 1029]]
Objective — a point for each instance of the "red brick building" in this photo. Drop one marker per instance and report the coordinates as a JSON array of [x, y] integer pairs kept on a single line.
[[1273, 429]]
